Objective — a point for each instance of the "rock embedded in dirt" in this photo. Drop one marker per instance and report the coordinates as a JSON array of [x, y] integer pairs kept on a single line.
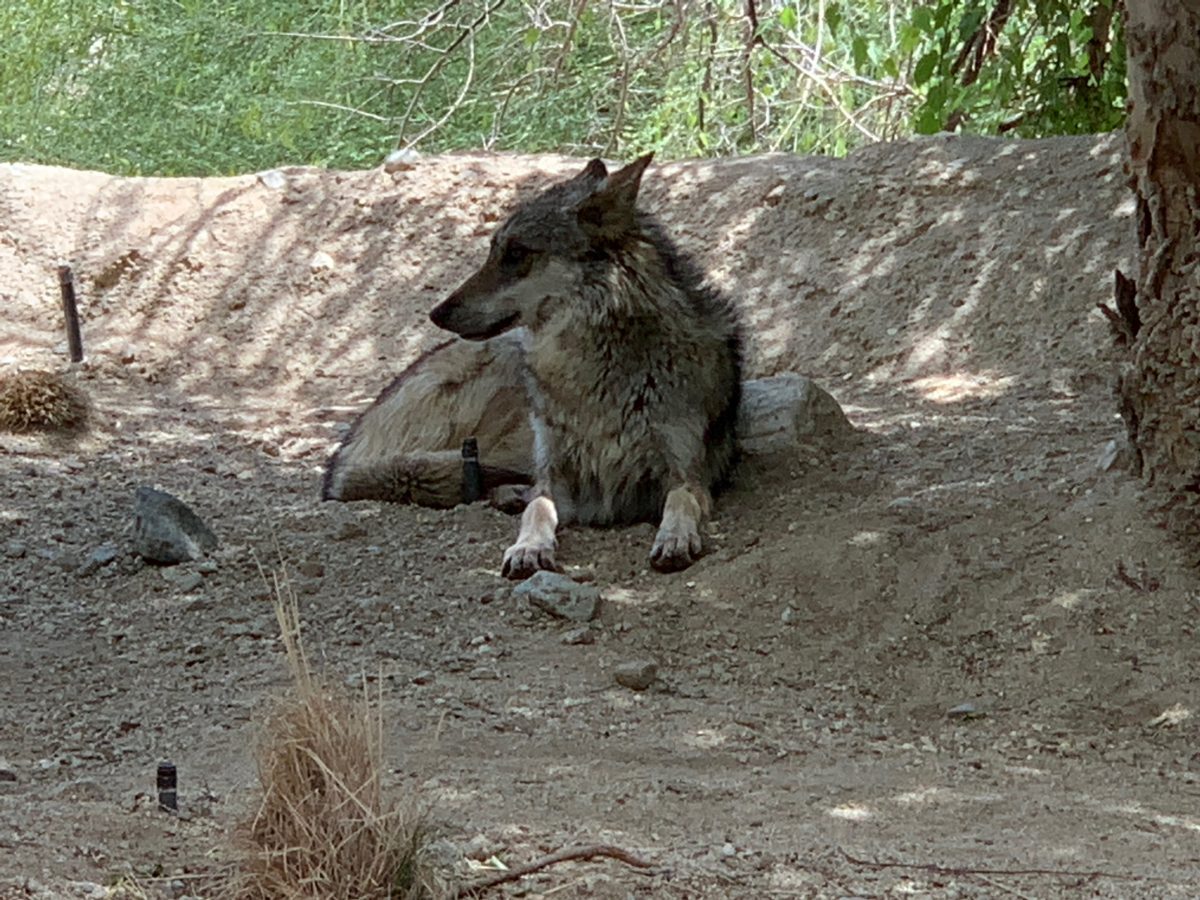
[[166, 531], [184, 582], [559, 596], [400, 160], [579, 636], [272, 179], [781, 412], [99, 558], [636, 674], [1116, 454]]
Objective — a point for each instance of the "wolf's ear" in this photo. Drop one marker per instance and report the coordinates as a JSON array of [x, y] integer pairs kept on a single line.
[[612, 209], [594, 171]]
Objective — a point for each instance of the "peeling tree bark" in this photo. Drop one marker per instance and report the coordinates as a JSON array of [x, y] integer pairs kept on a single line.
[[1160, 387]]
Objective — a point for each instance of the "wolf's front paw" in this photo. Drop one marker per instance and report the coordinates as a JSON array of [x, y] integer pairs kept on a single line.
[[675, 549], [522, 560]]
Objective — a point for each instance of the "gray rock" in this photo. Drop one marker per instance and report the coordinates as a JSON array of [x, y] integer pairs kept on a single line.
[[1116, 454], [579, 636], [559, 596], [184, 581], [99, 558], [778, 413], [14, 550], [166, 531], [272, 179], [964, 711], [636, 674], [400, 160]]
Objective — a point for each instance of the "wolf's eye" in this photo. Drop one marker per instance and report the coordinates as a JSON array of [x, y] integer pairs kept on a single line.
[[515, 256]]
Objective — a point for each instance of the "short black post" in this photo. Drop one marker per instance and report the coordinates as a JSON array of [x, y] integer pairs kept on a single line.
[[168, 799], [472, 480], [66, 285]]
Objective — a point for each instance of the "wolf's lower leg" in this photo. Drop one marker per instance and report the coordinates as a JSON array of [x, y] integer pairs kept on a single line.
[[677, 544], [535, 544]]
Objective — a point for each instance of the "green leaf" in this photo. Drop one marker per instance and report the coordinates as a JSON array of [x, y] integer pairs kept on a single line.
[[925, 67], [788, 17], [833, 18], [922, 19], [858, 50]]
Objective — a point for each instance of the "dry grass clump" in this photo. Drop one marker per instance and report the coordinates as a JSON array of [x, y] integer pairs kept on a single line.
[[35, 400], [323, 828]]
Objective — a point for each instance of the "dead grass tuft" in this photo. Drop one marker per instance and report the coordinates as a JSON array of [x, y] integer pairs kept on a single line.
[[36, 400], [324, 828]]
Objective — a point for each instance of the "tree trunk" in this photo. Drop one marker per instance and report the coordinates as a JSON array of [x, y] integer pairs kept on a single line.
[[1160, 387]]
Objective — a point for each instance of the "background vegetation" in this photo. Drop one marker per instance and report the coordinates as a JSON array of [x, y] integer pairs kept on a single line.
[[216, 86]]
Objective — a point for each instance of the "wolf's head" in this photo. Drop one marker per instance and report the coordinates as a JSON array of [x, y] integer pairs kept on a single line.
[[537, 255]]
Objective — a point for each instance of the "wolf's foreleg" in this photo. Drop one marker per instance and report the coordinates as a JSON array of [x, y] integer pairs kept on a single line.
[[677, 544], [535, 544]]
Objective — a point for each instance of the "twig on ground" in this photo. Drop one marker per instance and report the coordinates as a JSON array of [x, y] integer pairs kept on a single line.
[[571, 853]]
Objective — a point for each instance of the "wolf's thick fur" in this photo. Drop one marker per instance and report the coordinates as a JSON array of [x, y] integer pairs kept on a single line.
[[627, 364]]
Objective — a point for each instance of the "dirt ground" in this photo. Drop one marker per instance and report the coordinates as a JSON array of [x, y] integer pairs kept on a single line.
[[805, 737]]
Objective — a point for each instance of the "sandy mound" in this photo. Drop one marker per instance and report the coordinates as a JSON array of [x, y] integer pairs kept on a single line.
[[970, 552]]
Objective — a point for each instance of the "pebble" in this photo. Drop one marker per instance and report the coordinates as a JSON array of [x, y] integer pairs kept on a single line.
[[560, 597], [99, 558], [636, 674], [400, 160], [579, 636], [272, 179], [185, 582]]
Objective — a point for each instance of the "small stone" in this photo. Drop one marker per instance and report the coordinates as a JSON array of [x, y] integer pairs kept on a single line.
[[964, 711], [184, 582], [320, 262], [165, 530], [348, 531], [99, 558], [637, 675], [1115, 455], [272, 179], [400, 160], [727, 850], [559, 596], [423, 677], [481, 847], [788, 616], [14, 549], [579, 636]]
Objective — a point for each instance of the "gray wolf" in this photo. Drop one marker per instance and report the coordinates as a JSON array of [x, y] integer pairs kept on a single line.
[[597, 363]]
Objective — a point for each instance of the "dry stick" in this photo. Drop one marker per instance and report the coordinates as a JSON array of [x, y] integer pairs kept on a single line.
[[66, 285], [588, 852], [752, 37], [623, 97], [971, 870]]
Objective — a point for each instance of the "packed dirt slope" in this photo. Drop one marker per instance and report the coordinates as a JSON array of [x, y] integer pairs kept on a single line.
[[809, 722]]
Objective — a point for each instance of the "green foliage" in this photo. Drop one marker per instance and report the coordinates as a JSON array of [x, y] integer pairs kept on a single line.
[[1052, 67], [202, 87]]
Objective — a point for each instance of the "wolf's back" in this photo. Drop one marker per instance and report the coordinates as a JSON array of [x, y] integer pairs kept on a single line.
[[406, 447]]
